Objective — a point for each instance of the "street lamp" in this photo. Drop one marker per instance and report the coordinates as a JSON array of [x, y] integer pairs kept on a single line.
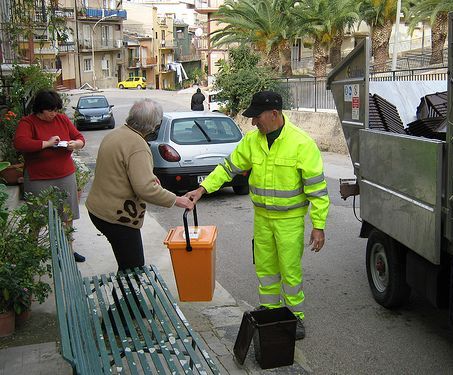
[[397, 27], [92, 47]]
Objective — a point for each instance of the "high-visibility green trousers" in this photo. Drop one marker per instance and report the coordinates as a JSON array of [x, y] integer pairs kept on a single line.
[[278, 249]]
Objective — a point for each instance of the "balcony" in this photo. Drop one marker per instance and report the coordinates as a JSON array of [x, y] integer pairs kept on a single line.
[[133, 63], [67, 13], [94, 13], [191, 57], [85, 45], [167, 44], [149, 61], [66, 47], [207, 6]]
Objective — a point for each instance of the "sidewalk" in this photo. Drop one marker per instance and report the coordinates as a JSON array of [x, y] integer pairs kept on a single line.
[[217, 321]]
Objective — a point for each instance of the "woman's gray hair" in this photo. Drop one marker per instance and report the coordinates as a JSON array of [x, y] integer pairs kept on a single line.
[[145, 116]]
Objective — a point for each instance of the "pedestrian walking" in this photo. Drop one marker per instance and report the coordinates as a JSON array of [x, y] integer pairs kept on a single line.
[[196, 104], [286, 181]]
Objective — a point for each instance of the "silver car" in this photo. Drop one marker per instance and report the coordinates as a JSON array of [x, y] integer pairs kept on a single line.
[[188, 147]]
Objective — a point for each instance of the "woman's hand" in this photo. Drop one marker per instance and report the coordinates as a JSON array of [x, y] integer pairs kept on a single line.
[[184, 202], [51, 142]]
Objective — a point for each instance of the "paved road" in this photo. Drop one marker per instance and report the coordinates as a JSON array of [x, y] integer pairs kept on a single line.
[[347, 332]]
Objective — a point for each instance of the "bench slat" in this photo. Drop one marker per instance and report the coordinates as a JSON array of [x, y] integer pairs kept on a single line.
[[133, 333], [189, 328], [170, 306], [105, 318], [97, 325], [159, 343]]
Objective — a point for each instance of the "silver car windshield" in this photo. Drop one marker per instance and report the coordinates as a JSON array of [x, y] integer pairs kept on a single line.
[[204, 130]]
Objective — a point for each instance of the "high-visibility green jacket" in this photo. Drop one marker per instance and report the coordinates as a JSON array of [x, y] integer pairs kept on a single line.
[[283, 180]]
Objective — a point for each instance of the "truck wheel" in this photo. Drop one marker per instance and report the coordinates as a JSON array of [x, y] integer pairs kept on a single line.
[[386, 270], [241, 189]]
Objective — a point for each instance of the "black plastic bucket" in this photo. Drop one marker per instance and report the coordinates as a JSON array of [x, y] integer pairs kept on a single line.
[[273, 332]]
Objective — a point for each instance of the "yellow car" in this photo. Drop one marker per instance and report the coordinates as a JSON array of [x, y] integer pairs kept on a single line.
[[133, 83]]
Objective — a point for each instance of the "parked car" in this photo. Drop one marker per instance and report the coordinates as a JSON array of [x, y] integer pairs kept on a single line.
[[214, 105], [133, 83], [188, 147], [93, 112]]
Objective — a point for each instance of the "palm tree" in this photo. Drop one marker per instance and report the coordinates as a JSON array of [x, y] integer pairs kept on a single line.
[[436, 13], [266, 25], [379, 16], [324, 21], [346, 16]]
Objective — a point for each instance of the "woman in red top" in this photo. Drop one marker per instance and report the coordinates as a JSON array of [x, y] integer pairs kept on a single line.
[[47, 138]]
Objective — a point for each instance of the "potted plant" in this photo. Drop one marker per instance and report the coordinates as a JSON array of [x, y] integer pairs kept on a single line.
[[8, 125], [24, 252], [83, 174]]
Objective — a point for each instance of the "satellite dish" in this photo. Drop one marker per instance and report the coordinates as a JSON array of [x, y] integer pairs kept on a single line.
[[199, 32]]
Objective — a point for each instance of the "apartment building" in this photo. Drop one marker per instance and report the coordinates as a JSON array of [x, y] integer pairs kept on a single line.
[[100, 52], [213, 54]]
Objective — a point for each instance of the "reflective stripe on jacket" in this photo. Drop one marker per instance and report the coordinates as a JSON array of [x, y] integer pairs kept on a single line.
[[283, 180]]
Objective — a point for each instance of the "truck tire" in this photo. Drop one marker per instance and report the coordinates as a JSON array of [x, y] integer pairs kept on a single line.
[[386, 270]]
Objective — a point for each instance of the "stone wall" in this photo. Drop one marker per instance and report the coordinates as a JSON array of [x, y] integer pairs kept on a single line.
[[323, 127]]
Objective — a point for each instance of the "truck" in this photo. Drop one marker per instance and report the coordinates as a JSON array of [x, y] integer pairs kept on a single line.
[[405, 187]]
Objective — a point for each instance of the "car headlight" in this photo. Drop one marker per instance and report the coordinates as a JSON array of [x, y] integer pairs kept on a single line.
[[108, 115], [79, 116]]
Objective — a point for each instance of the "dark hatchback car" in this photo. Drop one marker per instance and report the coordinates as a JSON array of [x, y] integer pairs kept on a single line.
[[93, 112], [189, 146]]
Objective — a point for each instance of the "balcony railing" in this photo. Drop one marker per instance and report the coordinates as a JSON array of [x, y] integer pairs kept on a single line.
[[167, 44], [100, 45], [66, 47], [67, 13], [191, 57], [100, 13], [208, 4], [149, 61]]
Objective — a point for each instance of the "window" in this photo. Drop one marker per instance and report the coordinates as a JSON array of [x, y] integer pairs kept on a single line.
[[87, 67], [204, 131], [105, 64], [105, 36], [85, 103]]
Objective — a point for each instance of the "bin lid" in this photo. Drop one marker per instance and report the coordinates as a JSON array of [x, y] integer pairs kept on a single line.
[[200, 237], [244, 337]]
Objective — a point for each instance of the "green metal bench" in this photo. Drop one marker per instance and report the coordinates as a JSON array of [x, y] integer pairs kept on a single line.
[[126, 322]]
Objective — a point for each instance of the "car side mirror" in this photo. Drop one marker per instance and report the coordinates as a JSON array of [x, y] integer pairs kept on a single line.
[[112, 105], [74, 107]]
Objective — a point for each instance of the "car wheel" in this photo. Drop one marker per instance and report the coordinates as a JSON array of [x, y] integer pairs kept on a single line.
[[241, 189], [121, 87], [139, 87], [386, 270]]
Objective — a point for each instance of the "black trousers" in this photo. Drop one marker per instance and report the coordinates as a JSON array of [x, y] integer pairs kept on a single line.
[[126, 243]]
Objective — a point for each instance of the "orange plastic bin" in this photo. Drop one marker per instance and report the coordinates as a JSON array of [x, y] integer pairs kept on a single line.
[[192, 251]]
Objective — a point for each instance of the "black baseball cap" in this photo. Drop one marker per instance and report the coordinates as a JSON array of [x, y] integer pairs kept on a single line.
[[263, 101]]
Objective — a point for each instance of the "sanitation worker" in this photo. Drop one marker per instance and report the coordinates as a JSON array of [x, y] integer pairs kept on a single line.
[[286, 181]]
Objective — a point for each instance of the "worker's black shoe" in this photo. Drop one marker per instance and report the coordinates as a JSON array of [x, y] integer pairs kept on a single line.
[[300, 329], [79, 258]]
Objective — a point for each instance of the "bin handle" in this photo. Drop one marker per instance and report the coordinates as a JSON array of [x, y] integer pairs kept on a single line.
[[167, 239], [186, 227]]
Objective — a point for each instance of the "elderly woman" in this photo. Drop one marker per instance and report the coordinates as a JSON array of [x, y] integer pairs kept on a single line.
[[124, 182], [47, 139]]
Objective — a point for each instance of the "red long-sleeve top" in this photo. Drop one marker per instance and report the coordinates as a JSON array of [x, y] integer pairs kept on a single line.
[[48, 163]]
